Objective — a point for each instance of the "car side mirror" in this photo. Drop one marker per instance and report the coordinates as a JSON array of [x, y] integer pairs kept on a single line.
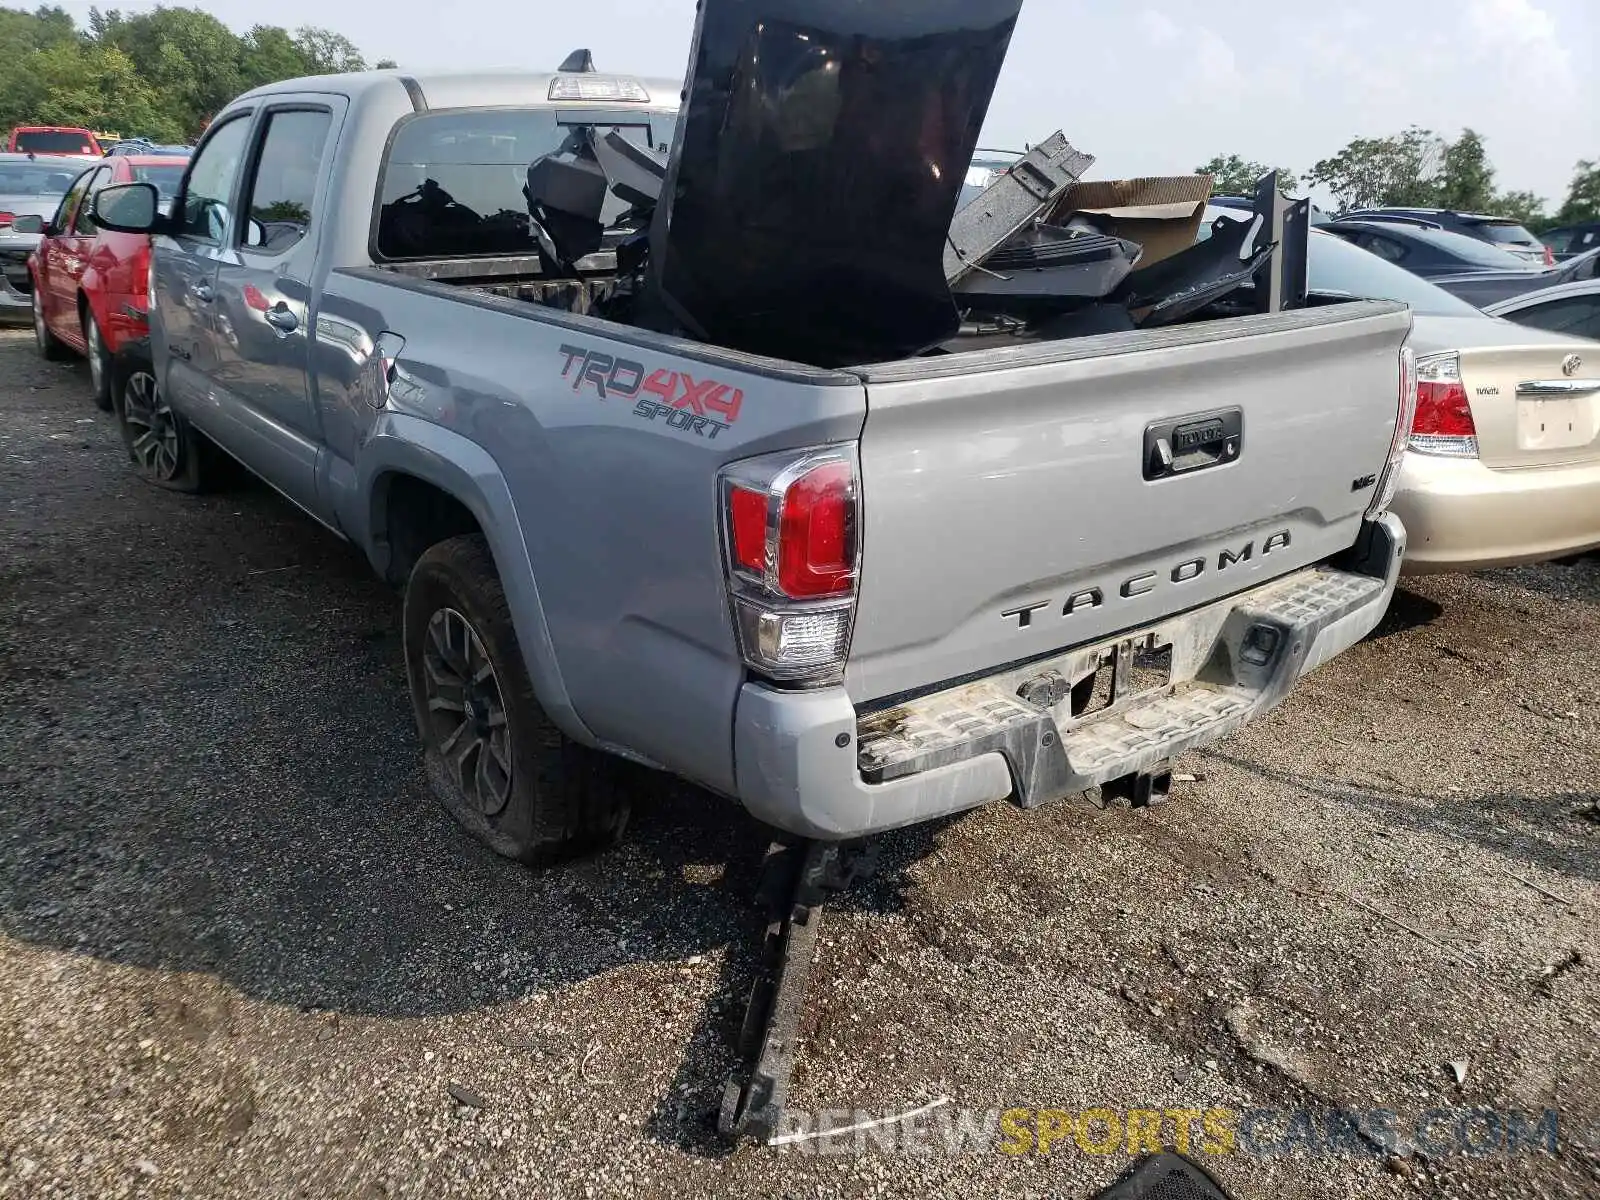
[[255, 233], [28, 223], [128, 207]]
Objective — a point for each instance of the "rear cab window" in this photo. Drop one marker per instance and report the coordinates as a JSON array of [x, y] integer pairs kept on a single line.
[[452, 183]]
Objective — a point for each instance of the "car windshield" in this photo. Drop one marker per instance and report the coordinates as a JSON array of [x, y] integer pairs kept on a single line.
[[165, 178], [53, 141], [34, 179], [1338, 268], [1467, 250], [1507, 234]]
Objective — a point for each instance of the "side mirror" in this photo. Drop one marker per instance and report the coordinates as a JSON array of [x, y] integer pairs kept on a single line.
[[255, 233], [128, 207], [28, 223]]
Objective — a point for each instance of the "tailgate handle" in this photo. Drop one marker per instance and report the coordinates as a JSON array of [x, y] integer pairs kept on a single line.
[[1193, 443]]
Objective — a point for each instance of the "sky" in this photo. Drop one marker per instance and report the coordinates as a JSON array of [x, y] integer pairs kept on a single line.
[[1148, 88]]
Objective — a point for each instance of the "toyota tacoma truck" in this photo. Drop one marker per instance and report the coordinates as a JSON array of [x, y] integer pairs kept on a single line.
[[711, 473]]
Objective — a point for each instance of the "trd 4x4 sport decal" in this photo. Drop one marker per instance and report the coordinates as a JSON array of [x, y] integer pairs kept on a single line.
[[700, 406]]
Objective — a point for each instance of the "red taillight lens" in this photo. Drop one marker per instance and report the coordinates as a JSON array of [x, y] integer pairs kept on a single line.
[[7, 219], [1549, 257], [1442, 410], [816, 552], [1443, 423], [747, 527]]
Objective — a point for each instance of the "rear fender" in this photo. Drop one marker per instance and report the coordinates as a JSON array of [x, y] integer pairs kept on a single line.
[[406, 445]]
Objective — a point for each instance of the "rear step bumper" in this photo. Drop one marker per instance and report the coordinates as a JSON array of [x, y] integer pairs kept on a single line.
[[809, 763]]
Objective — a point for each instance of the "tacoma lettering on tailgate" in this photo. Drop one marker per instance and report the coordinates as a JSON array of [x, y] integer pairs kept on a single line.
[[1146, 582], [700, 406]]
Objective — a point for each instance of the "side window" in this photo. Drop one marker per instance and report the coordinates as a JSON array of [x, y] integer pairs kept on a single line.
[[1578, 314], [62, 221], [84, 225], [285, 183], [1385, 249], [211, 178]]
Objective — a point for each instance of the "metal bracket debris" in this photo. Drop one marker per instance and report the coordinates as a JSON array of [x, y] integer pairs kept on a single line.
[[796, 878], [1031, 186], [1282, 281]]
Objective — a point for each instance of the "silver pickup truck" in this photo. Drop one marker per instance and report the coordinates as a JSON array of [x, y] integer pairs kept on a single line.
[[851, 594]]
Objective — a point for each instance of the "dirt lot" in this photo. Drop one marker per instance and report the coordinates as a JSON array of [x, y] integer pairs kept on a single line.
[[243, 953]]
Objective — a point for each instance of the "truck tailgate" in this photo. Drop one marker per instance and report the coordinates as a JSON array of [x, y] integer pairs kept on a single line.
[[1006, 507]]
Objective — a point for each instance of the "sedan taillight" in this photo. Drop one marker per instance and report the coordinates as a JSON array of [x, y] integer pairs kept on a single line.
[[1443, 424]]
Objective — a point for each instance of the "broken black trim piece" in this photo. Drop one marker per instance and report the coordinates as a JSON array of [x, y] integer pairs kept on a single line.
[[797, 877]]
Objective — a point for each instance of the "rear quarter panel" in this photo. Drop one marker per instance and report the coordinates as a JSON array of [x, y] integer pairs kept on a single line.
[[610, 511]]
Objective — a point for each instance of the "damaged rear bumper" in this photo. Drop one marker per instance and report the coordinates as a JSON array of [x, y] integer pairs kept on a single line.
[[811, 764]]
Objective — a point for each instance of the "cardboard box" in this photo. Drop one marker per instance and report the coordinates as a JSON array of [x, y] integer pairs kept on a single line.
[[1162, 214]]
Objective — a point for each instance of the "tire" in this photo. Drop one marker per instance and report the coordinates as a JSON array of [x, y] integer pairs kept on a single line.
[[164, 448], [99, 362], [50, 347], [493, 757]]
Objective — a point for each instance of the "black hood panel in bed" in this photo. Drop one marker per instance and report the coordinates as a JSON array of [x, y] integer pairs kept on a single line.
[[815, 170]]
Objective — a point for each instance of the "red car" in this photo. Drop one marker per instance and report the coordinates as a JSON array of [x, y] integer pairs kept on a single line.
[[90, 285], [54, 139]]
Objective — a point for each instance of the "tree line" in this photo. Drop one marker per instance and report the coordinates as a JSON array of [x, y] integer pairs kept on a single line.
[[1418, 168], [161, 74]]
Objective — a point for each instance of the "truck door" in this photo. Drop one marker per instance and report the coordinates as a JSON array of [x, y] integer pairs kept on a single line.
[[266, 323], [184, 270]]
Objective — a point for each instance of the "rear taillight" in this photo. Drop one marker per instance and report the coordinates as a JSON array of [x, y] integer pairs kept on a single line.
[[1549, 257], [7, 220], [1443, 424], [1405, 417], [791, 534]]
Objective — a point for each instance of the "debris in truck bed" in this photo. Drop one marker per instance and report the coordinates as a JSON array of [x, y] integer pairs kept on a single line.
[[1177, 286], [807, 208], [1046, 269], [1010, 203]]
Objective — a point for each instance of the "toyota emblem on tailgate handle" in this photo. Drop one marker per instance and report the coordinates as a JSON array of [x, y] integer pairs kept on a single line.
[[1570, 365], [1193, 443]]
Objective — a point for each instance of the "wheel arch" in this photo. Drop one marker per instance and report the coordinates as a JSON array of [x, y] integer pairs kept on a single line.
[[418, 481]]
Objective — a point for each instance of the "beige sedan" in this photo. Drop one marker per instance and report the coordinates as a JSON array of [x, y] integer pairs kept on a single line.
[[1503, 463]]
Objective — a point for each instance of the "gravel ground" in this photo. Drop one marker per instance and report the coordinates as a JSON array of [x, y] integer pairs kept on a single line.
[[244, 953]]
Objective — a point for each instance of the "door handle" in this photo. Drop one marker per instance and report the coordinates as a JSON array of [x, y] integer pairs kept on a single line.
[[202, 292], [282, 319]]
